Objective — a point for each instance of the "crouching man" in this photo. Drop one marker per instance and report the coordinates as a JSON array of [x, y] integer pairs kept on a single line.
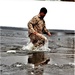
[[36, 29]]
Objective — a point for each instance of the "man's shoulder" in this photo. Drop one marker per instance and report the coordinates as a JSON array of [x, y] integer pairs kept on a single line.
[[36, 16]]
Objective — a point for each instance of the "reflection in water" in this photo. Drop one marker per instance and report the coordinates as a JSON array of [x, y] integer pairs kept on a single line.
[[38, 59], [36, 71], [59, 63]]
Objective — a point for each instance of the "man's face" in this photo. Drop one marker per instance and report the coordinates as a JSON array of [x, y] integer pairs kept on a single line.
[[42, 14]]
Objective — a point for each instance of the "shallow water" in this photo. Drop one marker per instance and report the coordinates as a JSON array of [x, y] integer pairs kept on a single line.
[[61, 55]]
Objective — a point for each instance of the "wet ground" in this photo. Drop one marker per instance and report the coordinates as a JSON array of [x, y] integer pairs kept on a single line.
[[61, 55]]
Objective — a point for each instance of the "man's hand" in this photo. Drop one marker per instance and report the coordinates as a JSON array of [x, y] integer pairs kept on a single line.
[[40, 35], [49, 34]]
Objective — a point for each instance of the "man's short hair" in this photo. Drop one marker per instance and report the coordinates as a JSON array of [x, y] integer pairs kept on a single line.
[[44, 10]]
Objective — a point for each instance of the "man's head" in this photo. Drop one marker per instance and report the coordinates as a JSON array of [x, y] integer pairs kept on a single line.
[[43, 12]]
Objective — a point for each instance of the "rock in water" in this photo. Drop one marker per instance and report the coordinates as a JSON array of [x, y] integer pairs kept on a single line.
[[11, 51]]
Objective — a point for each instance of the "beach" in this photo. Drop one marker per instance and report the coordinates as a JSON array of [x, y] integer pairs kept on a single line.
[[61, 55]]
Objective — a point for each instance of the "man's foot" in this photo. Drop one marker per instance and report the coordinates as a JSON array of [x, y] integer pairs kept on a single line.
[[33, 48], [44, 62]]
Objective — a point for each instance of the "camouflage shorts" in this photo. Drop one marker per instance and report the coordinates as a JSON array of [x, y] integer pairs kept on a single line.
[[36, 40]]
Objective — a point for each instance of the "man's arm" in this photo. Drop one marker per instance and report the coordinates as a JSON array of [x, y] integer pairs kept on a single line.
[[46, 31], [30, 25]]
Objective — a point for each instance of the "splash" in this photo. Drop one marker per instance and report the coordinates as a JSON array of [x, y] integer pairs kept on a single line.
[[30, 46]]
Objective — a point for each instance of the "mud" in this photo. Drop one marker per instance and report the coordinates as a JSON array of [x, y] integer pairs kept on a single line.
[[61, 55]]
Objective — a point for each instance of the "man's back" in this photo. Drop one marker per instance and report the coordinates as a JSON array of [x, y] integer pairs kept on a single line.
[[37, 24]]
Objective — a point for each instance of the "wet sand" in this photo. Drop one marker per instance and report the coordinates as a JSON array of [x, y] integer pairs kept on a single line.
[[61, 55]]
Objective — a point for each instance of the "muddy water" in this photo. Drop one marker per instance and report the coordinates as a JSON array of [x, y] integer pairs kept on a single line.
[[61, 54]]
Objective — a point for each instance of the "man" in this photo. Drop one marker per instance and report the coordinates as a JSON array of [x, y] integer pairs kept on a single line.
[[36, 29]]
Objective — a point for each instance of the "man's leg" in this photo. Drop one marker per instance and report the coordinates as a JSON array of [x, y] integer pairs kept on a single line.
[[39, 57]]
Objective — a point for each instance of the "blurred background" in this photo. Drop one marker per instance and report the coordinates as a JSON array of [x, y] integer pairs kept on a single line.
[[17, 13]]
